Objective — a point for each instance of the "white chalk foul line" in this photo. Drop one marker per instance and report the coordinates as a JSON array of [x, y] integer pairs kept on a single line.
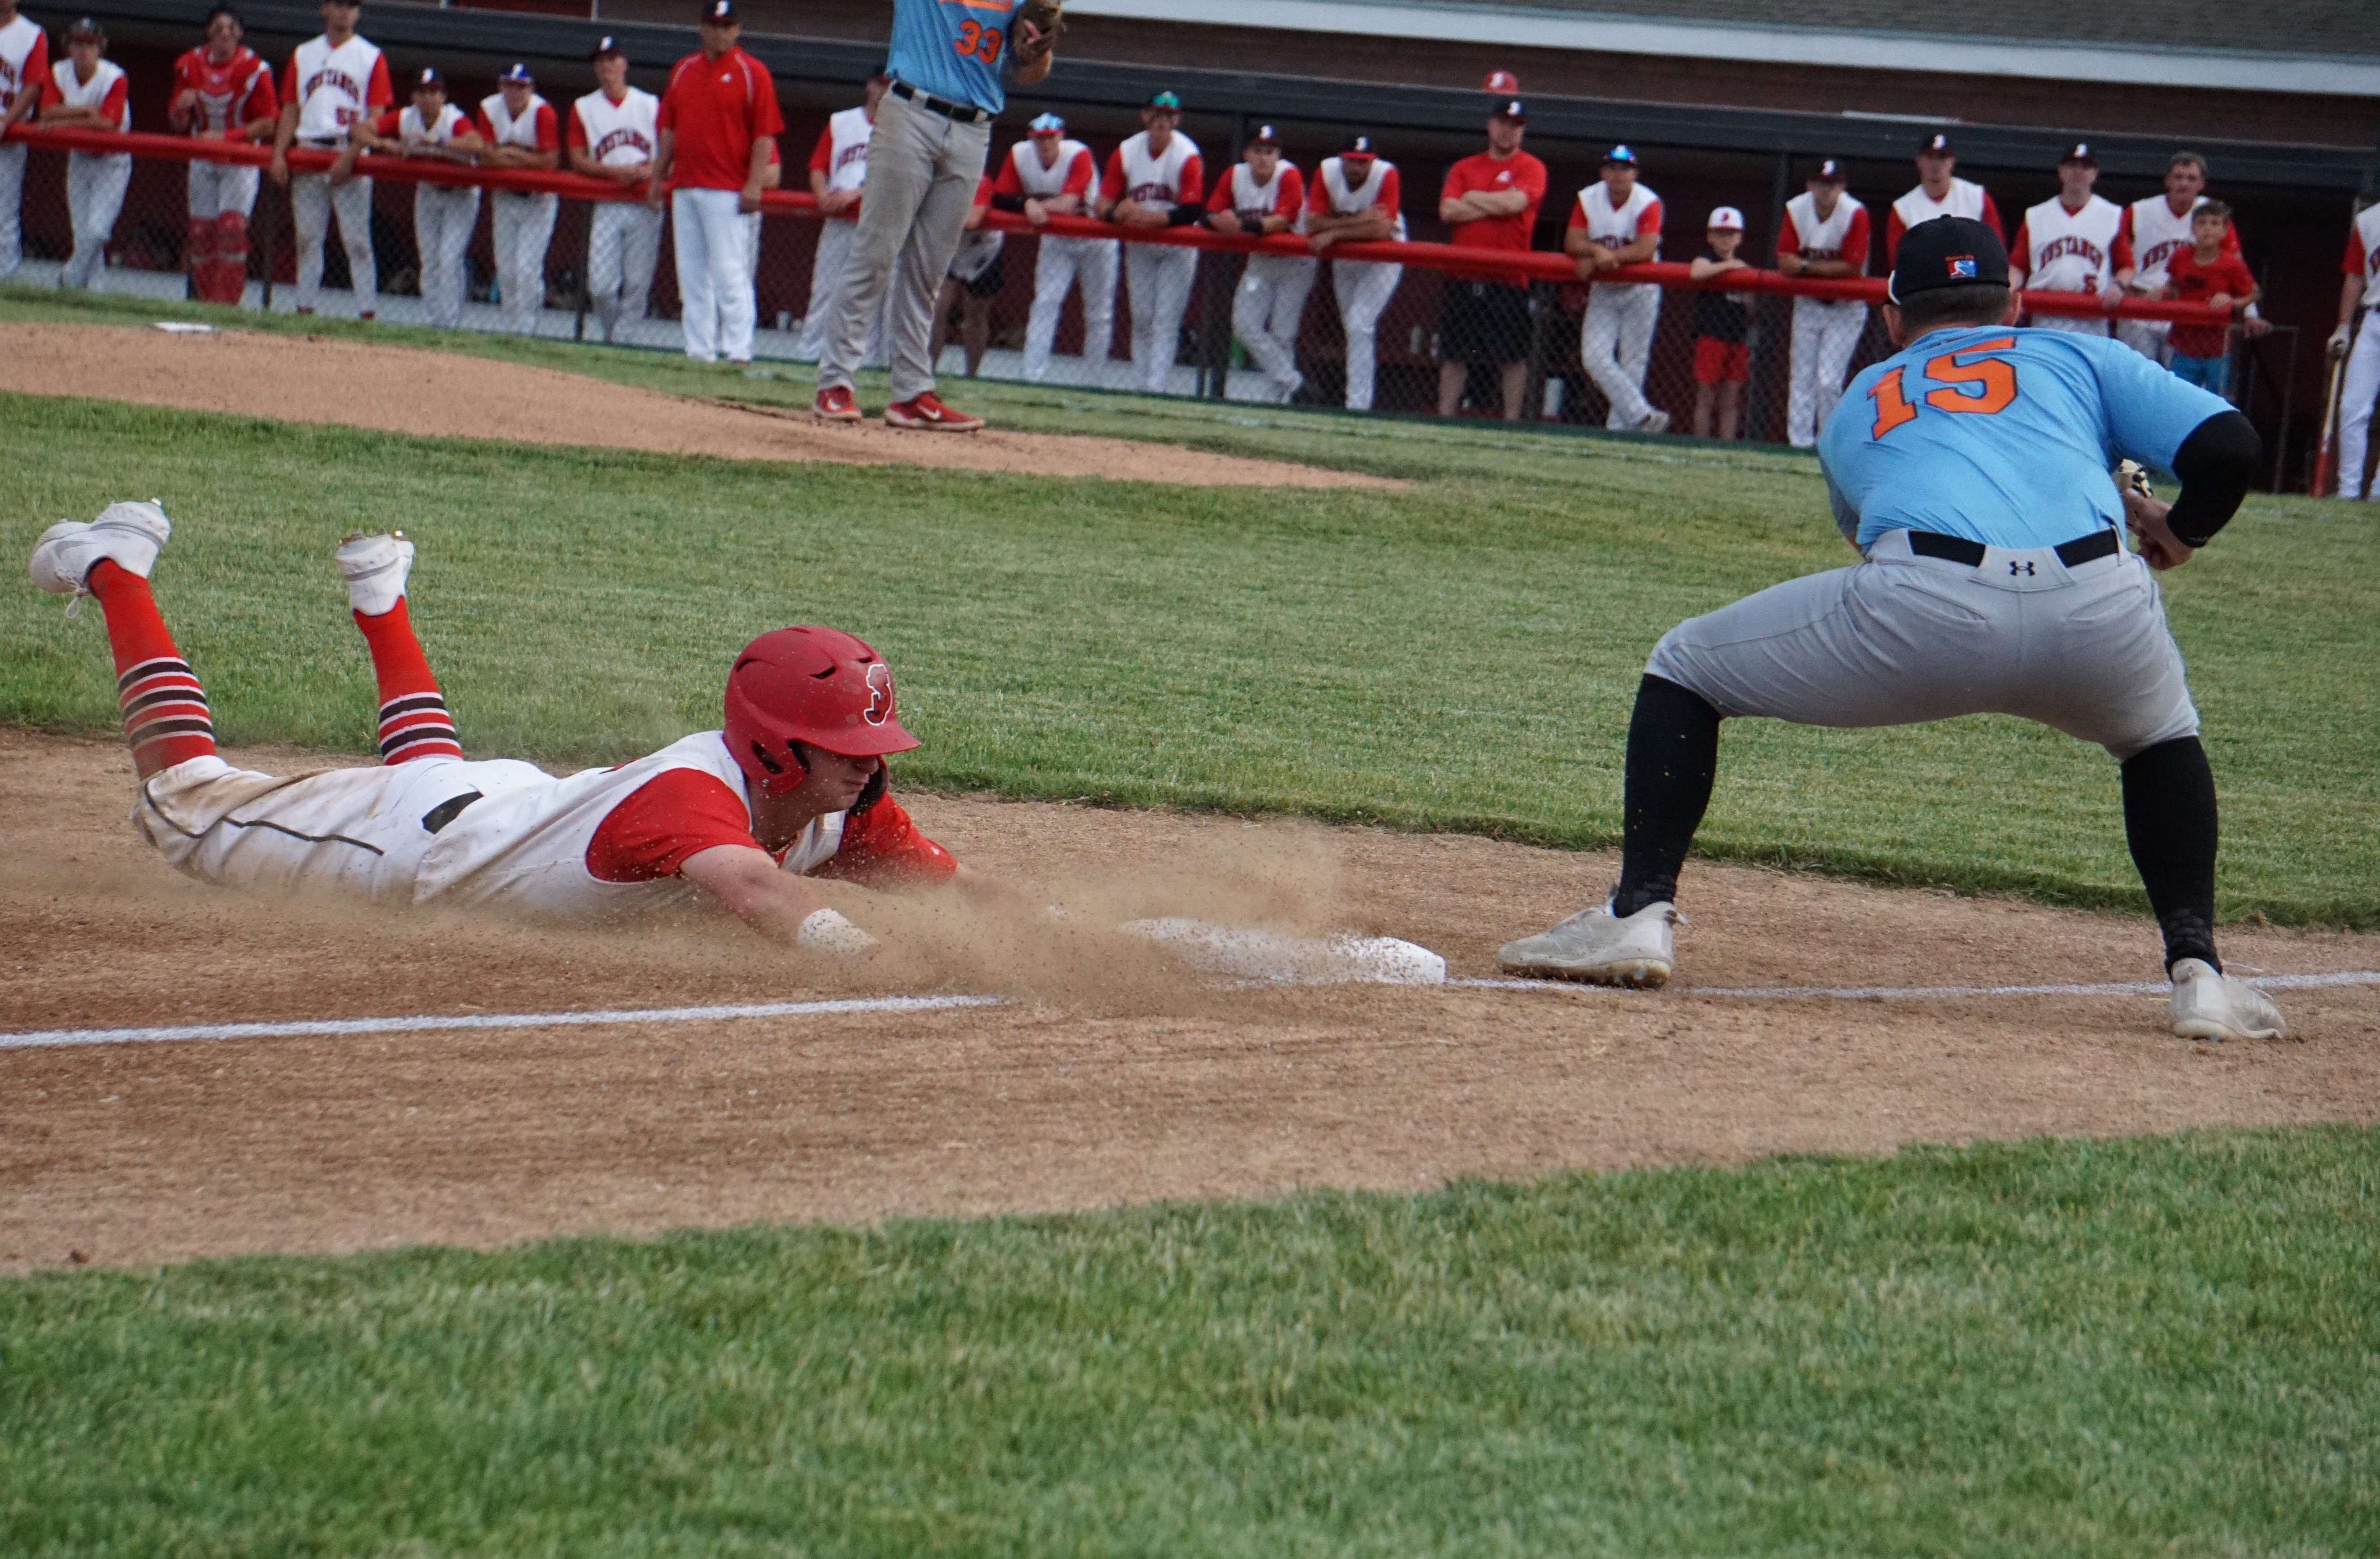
[[47, 1038], [1926, 992]]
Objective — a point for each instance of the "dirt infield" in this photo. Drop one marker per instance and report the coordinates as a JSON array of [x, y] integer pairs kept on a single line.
[[1104, 1080], [316, 379]]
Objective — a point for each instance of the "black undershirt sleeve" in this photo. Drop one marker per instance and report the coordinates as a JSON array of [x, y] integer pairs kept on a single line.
[[2215, 463]]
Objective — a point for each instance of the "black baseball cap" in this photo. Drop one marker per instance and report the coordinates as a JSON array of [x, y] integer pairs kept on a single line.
[[2079, 152], [719, 12], [1358, 146], [1937, 145], [1947, 251], [607, 44], [1510, 108], [1832, 170], [431, 79], [1266, 136]]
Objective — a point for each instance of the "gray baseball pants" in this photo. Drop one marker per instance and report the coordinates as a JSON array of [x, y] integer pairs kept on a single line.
[[1900, 638], [922, 171]]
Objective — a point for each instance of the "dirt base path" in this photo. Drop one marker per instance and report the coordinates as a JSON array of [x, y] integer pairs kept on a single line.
[[313, 379], [1107, 1078]]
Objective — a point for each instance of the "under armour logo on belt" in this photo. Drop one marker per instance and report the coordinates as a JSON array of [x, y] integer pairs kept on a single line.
[[2016, 568]]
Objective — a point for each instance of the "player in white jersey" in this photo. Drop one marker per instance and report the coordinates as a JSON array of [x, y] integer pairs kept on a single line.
[[1153, 181], [522, 131], [222, 91], [1044, 175], [1940, 192], [2358, 338], [1825, 237], [838, 174], [1262, 195], [24, 73], [1615, 221], [2153, 229], [611, 136], [333, 82], [88, 91], [793, 785], [1358, 198], [2074, 243], [434, 129]]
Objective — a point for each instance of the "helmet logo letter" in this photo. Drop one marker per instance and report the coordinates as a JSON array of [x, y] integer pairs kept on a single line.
[[880, 693]]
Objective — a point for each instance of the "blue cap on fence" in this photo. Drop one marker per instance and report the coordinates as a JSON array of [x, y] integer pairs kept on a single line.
[[608, 46], [1624, 155], [517, 71], [1047, 123]]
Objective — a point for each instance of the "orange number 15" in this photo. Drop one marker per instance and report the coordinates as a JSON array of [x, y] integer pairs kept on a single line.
[[1978, 389]]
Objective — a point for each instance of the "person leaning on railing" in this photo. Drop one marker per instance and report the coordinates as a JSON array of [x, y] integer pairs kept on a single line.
[[522, 131], [611, 137], [333, 82], [1260, 195], [1358, 198], [24, 66], [1490, 201], [432, 130], [87, 90]]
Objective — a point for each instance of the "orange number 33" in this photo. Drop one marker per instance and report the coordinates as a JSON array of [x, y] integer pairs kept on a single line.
[[982, 42], [1977, 389]]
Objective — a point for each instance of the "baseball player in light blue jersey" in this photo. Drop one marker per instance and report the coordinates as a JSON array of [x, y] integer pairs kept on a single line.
[[1971, 469], [932, 135]]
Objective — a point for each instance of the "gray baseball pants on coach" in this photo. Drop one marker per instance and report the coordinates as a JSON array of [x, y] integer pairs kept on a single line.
[[922, 171], [1902, 638]]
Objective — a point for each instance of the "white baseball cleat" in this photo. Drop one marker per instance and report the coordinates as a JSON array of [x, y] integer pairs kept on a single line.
[[2209, 1004], [1655, 422], [375, 568], [126, 534], [1600, 947]]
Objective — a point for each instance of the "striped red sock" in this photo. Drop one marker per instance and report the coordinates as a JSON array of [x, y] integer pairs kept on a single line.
[[413, 718], [165, 715]]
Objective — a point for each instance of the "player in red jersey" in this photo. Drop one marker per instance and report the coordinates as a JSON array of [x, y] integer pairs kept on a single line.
[[222, 91], [1490, 201]]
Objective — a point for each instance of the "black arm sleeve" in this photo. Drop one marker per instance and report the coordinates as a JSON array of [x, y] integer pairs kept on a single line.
[[2216, 463]]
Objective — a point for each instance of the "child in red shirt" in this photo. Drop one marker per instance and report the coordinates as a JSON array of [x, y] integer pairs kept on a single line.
[[2204, 274]]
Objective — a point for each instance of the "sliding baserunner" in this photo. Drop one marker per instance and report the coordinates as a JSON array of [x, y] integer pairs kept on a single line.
[[1971, 469], [792, 787]]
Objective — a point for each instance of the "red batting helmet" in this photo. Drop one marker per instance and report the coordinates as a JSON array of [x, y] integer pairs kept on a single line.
[[812, 685]]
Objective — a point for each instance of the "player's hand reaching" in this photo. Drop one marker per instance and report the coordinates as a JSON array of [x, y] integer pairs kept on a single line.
[[2144, 517]]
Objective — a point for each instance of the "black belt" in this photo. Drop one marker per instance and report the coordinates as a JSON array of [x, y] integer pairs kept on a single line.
[[958, 112], [1958, 549]]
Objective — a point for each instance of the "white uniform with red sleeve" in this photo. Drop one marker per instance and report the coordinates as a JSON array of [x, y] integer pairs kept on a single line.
[[2153, 230], [1270, 301], [334, 86], [1363, 288], [1825, 331], [1156, 276], [444, 215], [842, 155], [623, 237], [1615, 339], [522, 222], [95, 180], [1064, 263], [1963, 199], [2061, 250], [24, 69], [2362, 376]]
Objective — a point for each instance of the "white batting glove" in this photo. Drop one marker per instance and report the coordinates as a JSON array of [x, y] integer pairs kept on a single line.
[[830, 932], [2339, 339]]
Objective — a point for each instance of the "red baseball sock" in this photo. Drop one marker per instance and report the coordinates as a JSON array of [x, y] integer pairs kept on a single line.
[[166, 716], [413, 718]]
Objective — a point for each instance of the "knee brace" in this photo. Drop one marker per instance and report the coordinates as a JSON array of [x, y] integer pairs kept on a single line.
[[231, 233], [201, 241]]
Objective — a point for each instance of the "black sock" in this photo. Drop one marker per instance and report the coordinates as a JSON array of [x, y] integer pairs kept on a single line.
[[2169, 822], [1672, 758]]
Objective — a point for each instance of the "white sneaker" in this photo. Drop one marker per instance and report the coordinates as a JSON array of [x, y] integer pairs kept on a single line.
[[126, 534], [1596, 945], [1655, 422], [375, 568], [2210, 1005]]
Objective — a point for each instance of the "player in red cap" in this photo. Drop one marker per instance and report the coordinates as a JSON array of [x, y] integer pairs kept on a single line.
[[793, 785]]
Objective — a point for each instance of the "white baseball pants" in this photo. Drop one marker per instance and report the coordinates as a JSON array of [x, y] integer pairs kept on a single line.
[[714, 279], [826, 273], [1265, 311], [95, 186], [1824, 336], [2150, 338], [752, 253], [1615, 342], [1061, 263], [442, 220], [1159, 276], [1364, 288], [1899, 639], [523, 226], [313, 202], [12, 199], [2362, 386], [623, 246], [217, 187]]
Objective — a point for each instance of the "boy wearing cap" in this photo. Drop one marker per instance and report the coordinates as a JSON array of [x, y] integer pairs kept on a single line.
[[522, 131], [2074, 243], [24, 71], [1971, 469], [1047, 174], [1722, 326], [933, 132], [1264, 194], [431, 128], [88, 91], [838, 174], [333, 82], [1940, 193], [713, 137], [1616, 222], [1154, 180], [612, 133], [222, 91], [1825, 237], [1357, 200], [1490, 201]]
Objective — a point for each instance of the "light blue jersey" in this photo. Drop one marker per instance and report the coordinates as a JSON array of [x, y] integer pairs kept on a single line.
[[954, 49], [2002, 437]]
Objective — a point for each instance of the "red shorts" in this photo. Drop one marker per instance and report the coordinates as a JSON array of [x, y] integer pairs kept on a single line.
[[1721, 363]]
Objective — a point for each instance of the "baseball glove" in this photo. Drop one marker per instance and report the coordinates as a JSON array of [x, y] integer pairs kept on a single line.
[[1047, 17]]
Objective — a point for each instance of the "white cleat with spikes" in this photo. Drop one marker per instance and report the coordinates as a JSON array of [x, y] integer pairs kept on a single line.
[[375, 568]]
